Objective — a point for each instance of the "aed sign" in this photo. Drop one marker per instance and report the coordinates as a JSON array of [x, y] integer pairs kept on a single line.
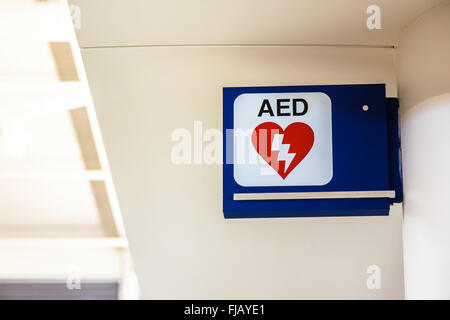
[[291, 136], [307, 151]]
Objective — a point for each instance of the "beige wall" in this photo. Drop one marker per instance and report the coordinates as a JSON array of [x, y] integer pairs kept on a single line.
[[181, 244], [424, 78]]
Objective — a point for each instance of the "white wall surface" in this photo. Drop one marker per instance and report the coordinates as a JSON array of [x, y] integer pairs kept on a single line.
[[424, 84], [181, 244]]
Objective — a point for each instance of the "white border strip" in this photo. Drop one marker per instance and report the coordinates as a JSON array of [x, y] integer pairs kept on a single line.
[[315, 195]]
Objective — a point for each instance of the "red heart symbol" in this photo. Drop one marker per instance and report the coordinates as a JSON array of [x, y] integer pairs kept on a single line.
[[279, 147]]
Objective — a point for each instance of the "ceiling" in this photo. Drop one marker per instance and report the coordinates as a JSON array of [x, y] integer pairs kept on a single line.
[[213, 22]]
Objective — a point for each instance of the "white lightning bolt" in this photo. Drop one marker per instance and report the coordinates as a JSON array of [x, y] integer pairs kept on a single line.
[[277, 145]]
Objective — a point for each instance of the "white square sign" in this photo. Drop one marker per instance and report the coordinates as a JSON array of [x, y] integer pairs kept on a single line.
[[283, 139]]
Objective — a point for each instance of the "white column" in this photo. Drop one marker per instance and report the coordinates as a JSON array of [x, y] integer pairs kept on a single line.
[[423, 63]]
